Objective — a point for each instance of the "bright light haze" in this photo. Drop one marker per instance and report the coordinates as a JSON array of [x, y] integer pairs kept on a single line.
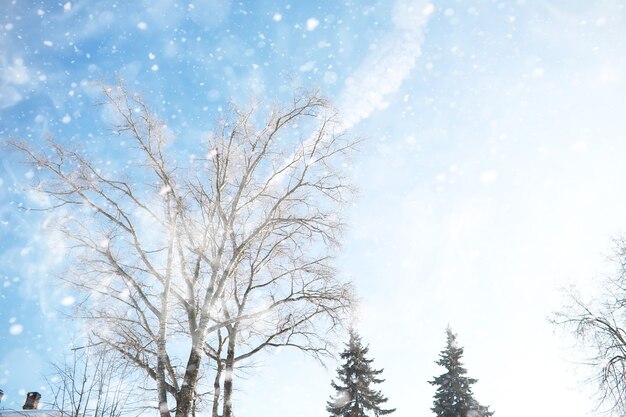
[[492, 175]]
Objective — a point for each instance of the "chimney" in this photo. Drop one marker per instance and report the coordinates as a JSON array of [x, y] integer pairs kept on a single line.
[[32, 401]]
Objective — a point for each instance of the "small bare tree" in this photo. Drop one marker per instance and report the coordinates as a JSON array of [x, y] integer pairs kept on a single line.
[[599, 327], [92, 382], [238, 241]]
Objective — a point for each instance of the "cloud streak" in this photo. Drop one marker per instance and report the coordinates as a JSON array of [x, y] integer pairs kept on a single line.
[[391, 61]]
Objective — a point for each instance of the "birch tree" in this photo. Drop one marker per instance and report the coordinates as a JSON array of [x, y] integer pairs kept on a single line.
[[239, 240]]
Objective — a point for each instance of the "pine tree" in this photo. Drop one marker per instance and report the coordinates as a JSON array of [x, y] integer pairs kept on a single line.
[[355, 396], [454, 397]]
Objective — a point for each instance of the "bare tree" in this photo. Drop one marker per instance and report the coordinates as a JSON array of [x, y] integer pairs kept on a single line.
[[290, 320], [92, 382], [598, 326], [240, 240]]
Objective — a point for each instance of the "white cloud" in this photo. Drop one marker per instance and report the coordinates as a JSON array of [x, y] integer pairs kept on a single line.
[[9, 96], [382, 72], [15, 77], [16, 73], [211, 14], [307, 66]]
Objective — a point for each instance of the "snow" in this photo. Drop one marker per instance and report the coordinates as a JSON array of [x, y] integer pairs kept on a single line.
[[311, 24], [543, 86], [17, 73], [488, 177], [68, 301], [16, 329]]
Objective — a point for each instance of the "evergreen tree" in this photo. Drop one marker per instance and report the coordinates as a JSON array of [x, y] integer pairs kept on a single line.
[[355, 396], [454, 397]]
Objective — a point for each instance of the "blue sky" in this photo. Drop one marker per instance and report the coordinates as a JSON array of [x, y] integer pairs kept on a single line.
[[490, 179]]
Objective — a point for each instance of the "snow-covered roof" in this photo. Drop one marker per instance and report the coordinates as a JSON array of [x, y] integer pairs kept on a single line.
[[29, 413]]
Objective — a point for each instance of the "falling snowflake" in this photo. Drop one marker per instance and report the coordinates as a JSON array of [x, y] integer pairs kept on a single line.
[[488, 177], [312, 24], [16, 329], [68, 301]]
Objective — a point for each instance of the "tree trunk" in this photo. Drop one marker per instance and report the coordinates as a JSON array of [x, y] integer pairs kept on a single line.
[[164, 410], [228, 372], [217, 387], [185, 395]]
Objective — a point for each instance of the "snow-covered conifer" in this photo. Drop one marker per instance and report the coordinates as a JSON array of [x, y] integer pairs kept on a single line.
[[454, 397], [355, 395]]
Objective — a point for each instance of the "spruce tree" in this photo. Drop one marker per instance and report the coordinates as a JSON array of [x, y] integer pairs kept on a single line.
[[355, 395], [454, 397]]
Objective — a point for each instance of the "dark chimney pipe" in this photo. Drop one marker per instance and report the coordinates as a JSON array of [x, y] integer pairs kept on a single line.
[[32, 401]]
